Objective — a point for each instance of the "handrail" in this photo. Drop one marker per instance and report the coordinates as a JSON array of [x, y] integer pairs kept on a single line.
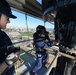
[[51, 65]]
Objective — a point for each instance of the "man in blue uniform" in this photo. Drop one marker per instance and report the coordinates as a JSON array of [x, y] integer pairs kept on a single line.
[[41, 41], [5, 14]]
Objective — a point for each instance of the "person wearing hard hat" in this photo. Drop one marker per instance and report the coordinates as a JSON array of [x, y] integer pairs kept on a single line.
[[40, 37], [5, 15]]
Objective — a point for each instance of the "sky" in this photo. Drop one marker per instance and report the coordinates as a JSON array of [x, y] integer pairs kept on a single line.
[[32, 22]]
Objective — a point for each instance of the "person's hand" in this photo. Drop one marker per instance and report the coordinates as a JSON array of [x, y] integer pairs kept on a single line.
[[17, 53], [3, 67], [13, 49], [55, 42]]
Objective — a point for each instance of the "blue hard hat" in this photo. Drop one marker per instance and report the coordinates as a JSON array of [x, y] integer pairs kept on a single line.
[[5, 9]]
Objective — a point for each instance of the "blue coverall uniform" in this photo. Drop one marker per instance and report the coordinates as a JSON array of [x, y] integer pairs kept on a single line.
[[42, 57]]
